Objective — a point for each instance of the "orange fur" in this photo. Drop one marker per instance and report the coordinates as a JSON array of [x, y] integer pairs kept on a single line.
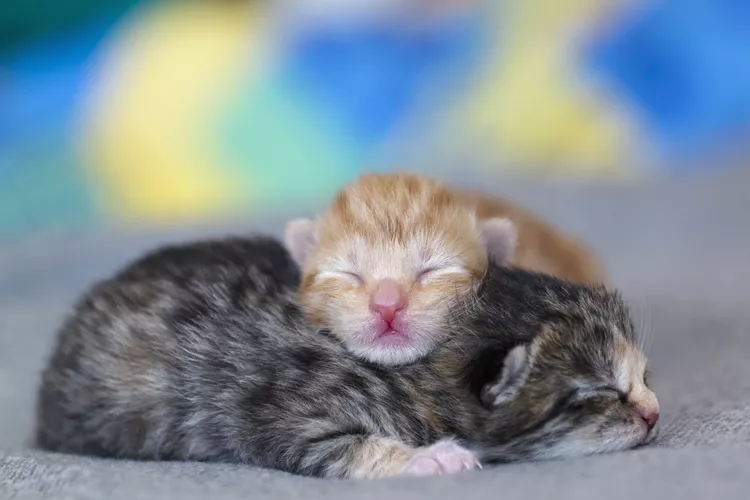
[[540, 246], [392, 210], [396, 227], [392, 226]]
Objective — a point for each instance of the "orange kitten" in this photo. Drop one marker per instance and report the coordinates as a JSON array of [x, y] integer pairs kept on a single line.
[[389, 260]]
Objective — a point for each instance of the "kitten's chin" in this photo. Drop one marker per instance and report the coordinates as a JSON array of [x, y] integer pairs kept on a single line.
[[619, 438], [399, 343], [391, 350], [580, 442]]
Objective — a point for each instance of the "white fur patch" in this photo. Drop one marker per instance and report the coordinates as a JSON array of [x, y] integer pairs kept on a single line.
[[443, 457]]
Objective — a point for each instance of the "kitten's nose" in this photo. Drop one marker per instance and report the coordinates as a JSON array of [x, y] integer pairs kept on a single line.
[[387, 299], [650, 418]]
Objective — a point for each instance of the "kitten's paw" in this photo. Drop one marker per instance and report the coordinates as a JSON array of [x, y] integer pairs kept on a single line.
[[443, 457]]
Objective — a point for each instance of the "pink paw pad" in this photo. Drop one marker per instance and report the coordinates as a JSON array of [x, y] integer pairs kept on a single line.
[[443, 457]]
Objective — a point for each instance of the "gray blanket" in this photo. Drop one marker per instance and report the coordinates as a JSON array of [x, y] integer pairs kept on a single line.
[[680, 252]]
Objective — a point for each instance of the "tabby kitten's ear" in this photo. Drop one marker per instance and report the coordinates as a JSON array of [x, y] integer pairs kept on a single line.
[[500, 237], [516, 368], [300, 237]]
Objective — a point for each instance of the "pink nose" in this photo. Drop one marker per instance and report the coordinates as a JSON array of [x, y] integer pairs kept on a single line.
[[387, 299], [650, 418]]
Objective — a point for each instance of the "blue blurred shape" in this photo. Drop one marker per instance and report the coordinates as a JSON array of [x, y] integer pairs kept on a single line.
[[371, 77], [686, 65], [41, 83]]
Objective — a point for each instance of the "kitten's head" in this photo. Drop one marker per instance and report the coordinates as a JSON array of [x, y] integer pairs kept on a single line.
[[386, 262], [579, 387]]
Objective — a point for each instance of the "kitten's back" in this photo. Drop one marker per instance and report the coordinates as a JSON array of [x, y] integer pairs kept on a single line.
[[541, 247], [115, 376]]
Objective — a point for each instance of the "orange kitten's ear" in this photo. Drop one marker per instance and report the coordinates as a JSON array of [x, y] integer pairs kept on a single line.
[[300, 238], [500, 237]]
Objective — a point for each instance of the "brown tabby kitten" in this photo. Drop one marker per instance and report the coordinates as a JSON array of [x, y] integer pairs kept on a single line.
[[199, 352]]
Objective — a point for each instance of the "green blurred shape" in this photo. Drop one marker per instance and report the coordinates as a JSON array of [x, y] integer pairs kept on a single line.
[[285, 146], [42, 190], [24, 21]]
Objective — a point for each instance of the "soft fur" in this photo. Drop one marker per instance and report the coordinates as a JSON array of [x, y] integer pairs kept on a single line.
[[200, 352], [403, 228], [540, 246]]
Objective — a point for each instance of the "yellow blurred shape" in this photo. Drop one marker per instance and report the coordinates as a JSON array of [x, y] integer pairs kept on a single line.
[[531, 107], [535, 19], [147, 136]]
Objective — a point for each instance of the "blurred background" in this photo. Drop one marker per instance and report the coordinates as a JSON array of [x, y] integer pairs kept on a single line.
[[136, 112]]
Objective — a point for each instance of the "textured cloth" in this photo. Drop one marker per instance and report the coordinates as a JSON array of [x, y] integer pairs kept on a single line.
[[680, 252]]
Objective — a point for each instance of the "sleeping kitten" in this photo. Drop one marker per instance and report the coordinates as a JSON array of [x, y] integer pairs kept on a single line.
[[393, 254], [199, 352]]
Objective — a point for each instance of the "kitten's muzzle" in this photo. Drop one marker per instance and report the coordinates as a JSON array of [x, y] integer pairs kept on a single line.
[[650, 418], [648, 411], [387, 300]]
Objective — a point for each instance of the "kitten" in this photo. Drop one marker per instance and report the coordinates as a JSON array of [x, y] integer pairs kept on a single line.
[[386, 262], [199, 352], [394, 252], [540, 246]]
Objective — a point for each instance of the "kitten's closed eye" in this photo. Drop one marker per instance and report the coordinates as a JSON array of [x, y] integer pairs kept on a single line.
[[435, 271], [608, 392], [354, 277], [347, 275], [425, 273]]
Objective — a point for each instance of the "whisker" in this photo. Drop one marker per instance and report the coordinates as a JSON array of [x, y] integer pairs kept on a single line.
[[642, 332], [645, 334], [650, 327]]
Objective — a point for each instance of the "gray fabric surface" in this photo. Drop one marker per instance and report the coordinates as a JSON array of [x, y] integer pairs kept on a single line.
[[680, 252]]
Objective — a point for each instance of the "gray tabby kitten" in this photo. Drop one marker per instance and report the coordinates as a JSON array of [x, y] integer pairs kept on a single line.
[[199, 352]]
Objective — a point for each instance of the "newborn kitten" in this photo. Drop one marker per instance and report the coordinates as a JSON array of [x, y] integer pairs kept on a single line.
[[540, 246], [386, 262], [200, 352]]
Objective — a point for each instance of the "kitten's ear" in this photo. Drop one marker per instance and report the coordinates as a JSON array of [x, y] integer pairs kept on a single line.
[[300, 238], [516, 368], [500, 238]]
